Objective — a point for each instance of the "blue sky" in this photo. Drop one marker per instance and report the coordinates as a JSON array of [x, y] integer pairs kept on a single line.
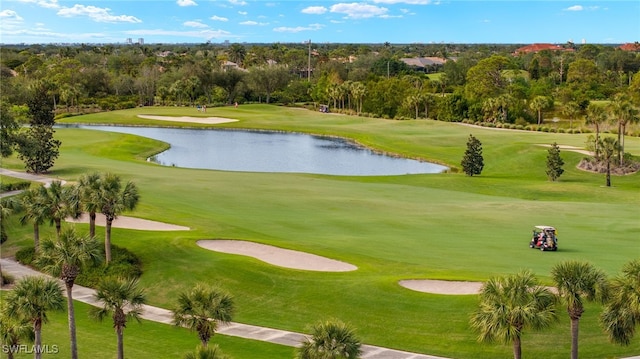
[[349, 21]]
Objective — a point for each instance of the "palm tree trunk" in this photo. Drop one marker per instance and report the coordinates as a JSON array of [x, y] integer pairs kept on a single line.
[[37, 342], [574, 338], [92, 224], [107, 241], [36, 237], [620, 150], [58, 227], [609, 172], [120, 334], [517, 348], [71, 315], [597, 150]]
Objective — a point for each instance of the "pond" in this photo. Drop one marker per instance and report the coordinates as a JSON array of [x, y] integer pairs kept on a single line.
[[262, 151]]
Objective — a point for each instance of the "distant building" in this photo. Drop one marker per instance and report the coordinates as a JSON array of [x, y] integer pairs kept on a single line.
[[424, 64], [537, 48], [140, 41], [633, 47], [129, 41]]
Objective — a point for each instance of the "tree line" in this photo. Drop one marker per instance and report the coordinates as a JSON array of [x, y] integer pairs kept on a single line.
[[593, 85]]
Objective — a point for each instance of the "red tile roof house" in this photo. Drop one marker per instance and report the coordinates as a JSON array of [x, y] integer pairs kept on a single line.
[[538, 47], [635, 47]]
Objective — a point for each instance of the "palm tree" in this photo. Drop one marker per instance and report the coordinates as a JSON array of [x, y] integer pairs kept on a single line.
[[596, 116], [413, 102], [538, 104], [64, 258], [331, 339], [510, 304], [32, 201], [624, 113], [571, 109], [31, 299], [89, 188], [358, 90], [503, 102], [608, 146], [13, 330], [578, 282], [61, 202], [621, 313], [123, 300], [7, 207], [114, 199], [201, 309], [212, 352]]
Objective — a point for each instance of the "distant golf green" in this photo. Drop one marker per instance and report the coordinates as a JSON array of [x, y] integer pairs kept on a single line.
[[437, 226]]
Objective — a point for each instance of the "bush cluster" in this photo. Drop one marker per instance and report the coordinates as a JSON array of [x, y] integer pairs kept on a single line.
[[124, 263]]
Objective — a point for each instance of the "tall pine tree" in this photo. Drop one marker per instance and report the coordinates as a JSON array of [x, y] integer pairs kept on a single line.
[[554, 163], [473, 162], [36, 146]]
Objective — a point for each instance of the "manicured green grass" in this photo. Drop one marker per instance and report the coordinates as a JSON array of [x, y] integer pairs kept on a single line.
[[443, 226]]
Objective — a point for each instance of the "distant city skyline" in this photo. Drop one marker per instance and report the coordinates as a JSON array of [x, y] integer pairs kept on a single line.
[[266, 21]]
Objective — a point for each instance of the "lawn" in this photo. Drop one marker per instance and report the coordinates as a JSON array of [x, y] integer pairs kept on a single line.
[[439, 226]]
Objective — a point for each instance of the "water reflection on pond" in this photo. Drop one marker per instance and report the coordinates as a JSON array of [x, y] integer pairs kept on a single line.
[[253, 151]]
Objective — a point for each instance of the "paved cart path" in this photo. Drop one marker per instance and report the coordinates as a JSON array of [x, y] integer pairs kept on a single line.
[[161, 315]]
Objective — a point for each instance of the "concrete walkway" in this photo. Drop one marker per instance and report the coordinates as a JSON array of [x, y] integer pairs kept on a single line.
[[161, 315], [26, 176]]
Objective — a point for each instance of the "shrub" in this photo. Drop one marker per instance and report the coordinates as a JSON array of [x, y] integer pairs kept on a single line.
[[7, 279], [26, 255], [123, 264], [15, 186]]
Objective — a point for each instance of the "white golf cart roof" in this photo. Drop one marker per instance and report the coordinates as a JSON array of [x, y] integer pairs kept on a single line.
[[548, 228]]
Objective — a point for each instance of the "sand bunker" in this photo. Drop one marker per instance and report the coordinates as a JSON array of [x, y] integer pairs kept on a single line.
[[571, 148], [277, 256], [205, 120], [442, 286], [130, 223]]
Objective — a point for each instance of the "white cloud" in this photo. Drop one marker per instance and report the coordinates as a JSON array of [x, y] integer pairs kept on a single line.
[[202, 34], [311, 27], [96, 14], [242, 12], [196, 24], [10, 15], [386, 16], [316, 10], [574, 8], [49, 4], [186, 3], [254, 23], [358, 10], [410, 2], [238, 2], [218, 18]]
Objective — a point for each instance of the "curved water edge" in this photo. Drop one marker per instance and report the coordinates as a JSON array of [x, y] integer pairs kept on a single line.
[[250, 150]]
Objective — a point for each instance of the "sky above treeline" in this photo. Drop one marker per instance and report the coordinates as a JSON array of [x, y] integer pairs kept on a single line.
[[320, 21]]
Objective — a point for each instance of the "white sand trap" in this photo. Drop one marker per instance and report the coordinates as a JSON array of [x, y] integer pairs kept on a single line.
[[442, 286], [277, 256], [205, 120], [130, 223], [571, 148]]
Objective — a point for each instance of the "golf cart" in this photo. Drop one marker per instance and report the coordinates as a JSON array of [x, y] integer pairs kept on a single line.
[[544, 238]]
